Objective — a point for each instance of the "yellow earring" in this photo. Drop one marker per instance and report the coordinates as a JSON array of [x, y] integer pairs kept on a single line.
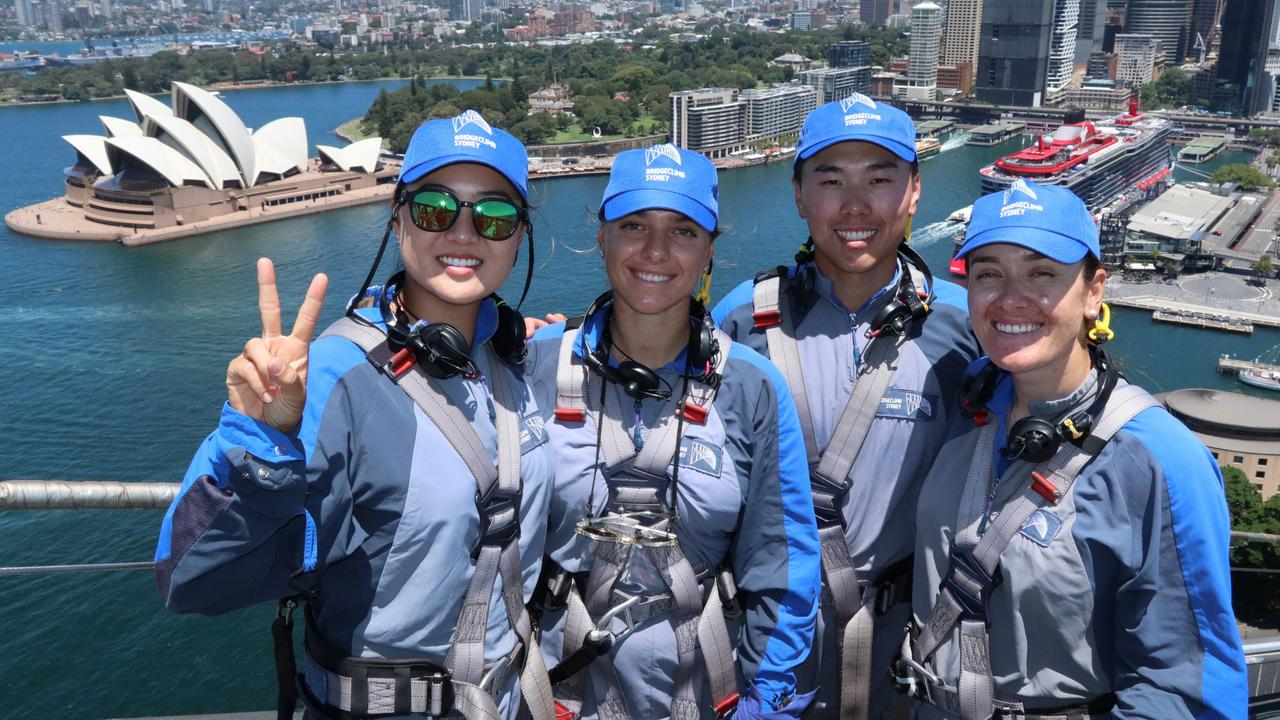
[[907, 235], [704, 288], [1101, 330]]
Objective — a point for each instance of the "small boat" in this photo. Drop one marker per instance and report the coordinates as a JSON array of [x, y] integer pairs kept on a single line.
[[927, 148], [1265, 379]]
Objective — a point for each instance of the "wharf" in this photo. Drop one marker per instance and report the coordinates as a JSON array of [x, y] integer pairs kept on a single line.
[[1228, 365], [1174, 307], [1204, 320], [1216, 295]]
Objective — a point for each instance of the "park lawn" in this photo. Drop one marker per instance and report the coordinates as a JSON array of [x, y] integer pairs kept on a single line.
[[577, 134]]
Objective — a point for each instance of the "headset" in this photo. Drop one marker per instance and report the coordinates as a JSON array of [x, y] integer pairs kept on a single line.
[[1035, 439], [439, 348], [908, 306], [639, 381]]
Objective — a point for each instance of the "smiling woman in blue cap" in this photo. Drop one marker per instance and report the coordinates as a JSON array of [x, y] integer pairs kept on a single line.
[[392, 476], [1071, 557], [681, 493]]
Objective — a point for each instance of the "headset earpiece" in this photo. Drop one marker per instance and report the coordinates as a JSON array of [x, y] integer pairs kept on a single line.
[[442, 352], [508, 338], [910, 304], [1036, 440]]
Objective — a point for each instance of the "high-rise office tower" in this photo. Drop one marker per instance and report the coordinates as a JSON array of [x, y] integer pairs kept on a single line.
[[26, 13], [1136, 58], [960, 42], [926, 37], [1026, 50], [1204, 15], [1166, 20], [1090, 31], [1249, 65], [873, 12]]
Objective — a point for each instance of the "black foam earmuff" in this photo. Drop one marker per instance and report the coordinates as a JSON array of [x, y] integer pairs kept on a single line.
[[1036, 440], [639, 381]]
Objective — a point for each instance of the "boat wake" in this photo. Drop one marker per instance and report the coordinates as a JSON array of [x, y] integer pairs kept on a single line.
[[955, 141], [933, 232]]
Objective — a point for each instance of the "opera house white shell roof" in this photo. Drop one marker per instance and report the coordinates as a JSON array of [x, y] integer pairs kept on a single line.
[[201, 141]]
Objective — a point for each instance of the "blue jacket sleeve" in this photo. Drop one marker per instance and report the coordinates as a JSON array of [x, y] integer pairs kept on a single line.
[[1178, 649], [246, 518], [775, 552]]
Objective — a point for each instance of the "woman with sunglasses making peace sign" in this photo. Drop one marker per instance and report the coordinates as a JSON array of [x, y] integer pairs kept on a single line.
[[682, 493], [393, 474]]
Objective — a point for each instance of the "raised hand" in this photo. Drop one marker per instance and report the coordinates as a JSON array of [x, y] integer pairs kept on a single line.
[[268, 381]]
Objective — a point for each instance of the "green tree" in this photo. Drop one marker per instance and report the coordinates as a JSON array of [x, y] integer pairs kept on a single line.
[[1263, 266], [1246, 176]]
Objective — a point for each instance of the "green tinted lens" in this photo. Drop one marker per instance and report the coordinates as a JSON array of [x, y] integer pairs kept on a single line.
[[496, 219], [433, 210]]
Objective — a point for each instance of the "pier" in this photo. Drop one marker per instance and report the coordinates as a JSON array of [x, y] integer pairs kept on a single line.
[[1228, 365], [1203, 320]]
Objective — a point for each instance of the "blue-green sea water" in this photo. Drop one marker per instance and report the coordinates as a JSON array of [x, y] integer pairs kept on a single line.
[[112, 362]]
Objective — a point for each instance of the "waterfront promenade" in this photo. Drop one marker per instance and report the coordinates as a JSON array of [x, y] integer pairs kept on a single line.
[[1211, 294]]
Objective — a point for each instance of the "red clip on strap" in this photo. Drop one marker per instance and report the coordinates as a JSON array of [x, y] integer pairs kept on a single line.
[[401, 362], [981, 418], [763, 319], [1044, 487], [568, 414], [562, 712], [693, 412], [727, 705]]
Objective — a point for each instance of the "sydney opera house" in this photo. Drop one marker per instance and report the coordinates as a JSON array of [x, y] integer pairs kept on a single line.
[[195, 167]]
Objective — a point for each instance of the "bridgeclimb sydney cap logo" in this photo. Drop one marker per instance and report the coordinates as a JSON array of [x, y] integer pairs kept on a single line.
[[466, 138], [663, 177], [1047, 219], [858, 117]]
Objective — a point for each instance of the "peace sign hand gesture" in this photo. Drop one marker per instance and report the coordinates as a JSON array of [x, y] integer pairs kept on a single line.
[[268, 381]]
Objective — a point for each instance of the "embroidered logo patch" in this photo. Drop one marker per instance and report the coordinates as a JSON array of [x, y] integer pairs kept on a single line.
[[1042, 527], [907, 405], [700, 456], [662, 172], [533, 432]]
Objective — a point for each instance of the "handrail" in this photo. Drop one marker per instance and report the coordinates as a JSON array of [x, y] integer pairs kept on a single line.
[[85, 495]]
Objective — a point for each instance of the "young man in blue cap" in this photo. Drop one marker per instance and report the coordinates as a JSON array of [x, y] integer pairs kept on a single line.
[[679, 470], [361, 472], [873, 350], [1071, 559]]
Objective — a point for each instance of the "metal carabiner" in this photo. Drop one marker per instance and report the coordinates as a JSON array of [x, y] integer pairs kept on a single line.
[[601, 634]]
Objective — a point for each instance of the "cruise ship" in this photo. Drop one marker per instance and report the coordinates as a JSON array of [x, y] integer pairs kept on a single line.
[[1109, 164], [1097, 161]]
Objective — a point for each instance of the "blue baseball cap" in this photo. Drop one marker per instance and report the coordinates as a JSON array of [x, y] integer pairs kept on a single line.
[[1048, 219], [663, 177], [858, 117], [467, 138]]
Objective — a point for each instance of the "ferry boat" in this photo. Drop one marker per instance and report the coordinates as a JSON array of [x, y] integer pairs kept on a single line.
[[927, 148], [1097, 161]]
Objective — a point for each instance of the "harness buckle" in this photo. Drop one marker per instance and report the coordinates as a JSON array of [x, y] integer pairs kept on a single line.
[[499, 512], [828, 497], [727, 589], [972, 589]]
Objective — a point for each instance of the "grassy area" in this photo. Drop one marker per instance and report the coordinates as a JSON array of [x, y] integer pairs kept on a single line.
[[575, 134]]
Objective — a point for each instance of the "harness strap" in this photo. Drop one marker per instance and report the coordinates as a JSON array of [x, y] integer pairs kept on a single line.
[[974, 568], [830, 483], [780, 334], [498, 505]]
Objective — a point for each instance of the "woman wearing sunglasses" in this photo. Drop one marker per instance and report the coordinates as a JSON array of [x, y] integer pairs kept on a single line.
[[1071, 555], [393, 475], [681, 489]]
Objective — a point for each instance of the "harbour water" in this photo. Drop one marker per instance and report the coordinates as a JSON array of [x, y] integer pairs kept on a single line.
[[112, 363]]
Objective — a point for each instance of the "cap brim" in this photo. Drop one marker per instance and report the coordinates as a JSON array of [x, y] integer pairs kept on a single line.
[[422, 169], [902, 151], [634, 201], [1059, 248]]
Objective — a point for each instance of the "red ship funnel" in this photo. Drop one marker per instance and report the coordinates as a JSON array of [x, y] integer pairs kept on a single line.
[[1133, 106]]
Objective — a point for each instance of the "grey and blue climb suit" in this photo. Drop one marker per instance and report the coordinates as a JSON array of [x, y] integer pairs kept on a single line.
[[367, 491], [1119, 592], [908, 429], [742, 499]]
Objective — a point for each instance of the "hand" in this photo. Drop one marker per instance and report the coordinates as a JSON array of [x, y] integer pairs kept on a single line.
[[531, 325], [268, 381]]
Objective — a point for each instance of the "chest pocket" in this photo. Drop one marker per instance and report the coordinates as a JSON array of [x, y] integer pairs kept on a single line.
[[903, 404]]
